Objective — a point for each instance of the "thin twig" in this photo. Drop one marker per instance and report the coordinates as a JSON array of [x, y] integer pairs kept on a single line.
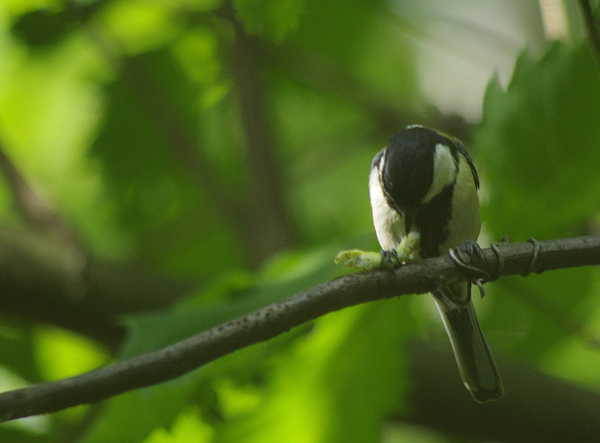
[[591, 26], [268, 222], [33, 207], [272, 320]]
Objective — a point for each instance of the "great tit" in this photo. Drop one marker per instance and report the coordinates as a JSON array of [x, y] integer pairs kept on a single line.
[[423, 188]]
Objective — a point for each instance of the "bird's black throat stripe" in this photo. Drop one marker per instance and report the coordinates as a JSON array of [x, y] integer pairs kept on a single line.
[[432, 221]]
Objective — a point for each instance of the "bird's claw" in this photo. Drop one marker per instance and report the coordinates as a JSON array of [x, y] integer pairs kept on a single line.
[[389, 259], [475, 261], [475, 264], [472, 248]]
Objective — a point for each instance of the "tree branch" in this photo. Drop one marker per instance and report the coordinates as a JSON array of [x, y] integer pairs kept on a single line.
[[591, 26], [47, 275], [272, 320], [43, 279], [270, 226], [35, 209]]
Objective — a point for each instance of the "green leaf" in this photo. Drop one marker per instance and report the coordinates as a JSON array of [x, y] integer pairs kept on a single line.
[[155, 171], [187, 428], [538, 145], [132, 416], [272, 19], [45, 27], [17, 352], [336, 384], [61, 353], [538, 148]]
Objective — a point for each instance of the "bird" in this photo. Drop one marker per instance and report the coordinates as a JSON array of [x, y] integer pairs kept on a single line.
[[423, 191]]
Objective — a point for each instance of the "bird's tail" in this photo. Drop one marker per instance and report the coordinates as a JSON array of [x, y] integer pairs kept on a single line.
[[475, 362]]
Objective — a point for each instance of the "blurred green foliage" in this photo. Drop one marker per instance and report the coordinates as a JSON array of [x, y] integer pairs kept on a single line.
[[272, 19], [138, 121], [538, 140]]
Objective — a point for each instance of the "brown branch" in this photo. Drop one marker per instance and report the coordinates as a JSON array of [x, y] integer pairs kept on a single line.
[[270, 321], [49, 276], [44, 280], [269, 222], [36, 210]]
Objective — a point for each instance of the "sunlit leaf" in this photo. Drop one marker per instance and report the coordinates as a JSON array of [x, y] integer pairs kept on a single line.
[[187, 428], [336, 384], [62, 354]]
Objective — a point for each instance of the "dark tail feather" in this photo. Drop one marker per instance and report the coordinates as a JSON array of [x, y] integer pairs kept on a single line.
[[474, 359]]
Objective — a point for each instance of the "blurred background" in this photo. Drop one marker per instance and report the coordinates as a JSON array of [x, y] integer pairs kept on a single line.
[[168, 165]]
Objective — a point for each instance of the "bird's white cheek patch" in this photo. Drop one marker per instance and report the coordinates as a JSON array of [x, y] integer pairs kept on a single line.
[[466, 222], [389, 225], [444, 168]]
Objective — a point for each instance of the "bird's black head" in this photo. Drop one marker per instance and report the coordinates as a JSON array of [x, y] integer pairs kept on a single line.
[[409, 169], [409, 165]]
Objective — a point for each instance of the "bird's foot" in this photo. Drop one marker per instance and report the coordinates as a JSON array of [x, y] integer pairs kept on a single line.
[[389, 259], [474, 261]]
